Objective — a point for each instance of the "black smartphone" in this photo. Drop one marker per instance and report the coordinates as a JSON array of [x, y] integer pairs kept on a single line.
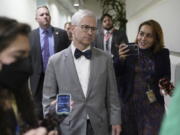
[[133, 49], [63, 104]]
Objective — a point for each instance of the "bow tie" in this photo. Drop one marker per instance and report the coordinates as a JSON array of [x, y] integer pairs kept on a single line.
[[79, 53]]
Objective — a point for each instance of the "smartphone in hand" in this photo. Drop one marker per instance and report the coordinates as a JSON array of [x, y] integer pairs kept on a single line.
[[63, 104], [133, 49]]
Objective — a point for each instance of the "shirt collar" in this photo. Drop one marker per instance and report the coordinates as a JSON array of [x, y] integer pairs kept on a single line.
[[48, 29], [105, 31], [73, 48]]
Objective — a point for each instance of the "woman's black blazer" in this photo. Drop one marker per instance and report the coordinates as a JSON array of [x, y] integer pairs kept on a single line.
[[125, 71]]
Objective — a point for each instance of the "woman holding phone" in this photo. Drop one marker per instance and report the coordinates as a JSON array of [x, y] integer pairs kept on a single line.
[[138, 81]]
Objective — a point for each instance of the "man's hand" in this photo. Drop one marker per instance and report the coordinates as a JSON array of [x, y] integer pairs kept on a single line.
[[116, 129]]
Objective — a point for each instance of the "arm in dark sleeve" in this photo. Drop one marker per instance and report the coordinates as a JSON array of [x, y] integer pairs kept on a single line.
[[164, 63], [119, 66]]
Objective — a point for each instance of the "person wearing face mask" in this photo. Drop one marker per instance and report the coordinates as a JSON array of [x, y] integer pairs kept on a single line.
[[17, 114], [139, 75], [14, 43], [15, 98], [67, 28], [17, 107], [108, 38]]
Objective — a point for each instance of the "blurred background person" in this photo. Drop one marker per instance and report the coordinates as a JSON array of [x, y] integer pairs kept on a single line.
[[45, 41], [67, 28], [171, 122], [17, 113], [139, 75], [16, 106], [107, 38], [12, 47]]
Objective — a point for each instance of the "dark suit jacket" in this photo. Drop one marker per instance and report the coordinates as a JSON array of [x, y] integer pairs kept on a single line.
[[118, 37], [61, 42], [125, 73]]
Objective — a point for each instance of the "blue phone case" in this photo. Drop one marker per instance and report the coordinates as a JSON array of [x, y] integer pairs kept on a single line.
[[63, 104]]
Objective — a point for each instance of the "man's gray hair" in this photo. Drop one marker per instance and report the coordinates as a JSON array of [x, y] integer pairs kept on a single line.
[[42, 6], [77, 17]]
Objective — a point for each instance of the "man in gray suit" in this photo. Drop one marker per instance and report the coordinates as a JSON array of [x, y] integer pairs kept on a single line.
[[45, 41], [87, 74], [108, 38]]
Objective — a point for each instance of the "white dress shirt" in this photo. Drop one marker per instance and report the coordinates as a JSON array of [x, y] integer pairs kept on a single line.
[[109, 43], [82, 65]]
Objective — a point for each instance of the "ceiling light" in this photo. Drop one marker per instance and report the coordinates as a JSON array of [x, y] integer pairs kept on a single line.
[[76, 3]]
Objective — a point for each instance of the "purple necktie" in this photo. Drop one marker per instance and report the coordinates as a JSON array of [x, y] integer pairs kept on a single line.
[[45, 49]]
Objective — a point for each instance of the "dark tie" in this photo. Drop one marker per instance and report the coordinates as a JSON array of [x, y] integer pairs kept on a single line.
[[107, 37], [79, 53], [45, 49]]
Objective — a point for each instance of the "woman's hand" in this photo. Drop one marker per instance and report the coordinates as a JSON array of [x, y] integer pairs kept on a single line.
[[40, 131], [166, 87], [37, 131], [123, 51], [54, 132]]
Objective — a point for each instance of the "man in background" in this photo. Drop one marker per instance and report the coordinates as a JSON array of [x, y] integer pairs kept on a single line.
[[67, 28], [45, 41], [108, 38]]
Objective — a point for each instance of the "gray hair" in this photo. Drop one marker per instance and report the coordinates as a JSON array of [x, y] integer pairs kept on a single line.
[[42, 6], [77, 17]]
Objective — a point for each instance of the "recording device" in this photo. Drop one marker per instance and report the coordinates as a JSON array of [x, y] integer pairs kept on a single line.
[[133, 49], [63, 104], [166, 86]]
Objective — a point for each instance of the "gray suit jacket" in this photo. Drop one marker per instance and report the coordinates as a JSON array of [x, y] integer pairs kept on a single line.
[[101, 104]]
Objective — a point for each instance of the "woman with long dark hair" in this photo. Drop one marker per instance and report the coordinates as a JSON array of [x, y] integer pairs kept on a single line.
[[138, 80], [16, 106]]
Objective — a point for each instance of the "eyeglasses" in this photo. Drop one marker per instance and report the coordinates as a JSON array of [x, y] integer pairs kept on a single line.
[[86, 28]]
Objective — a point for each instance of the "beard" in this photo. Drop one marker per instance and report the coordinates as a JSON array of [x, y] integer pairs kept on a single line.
[[108, 28]]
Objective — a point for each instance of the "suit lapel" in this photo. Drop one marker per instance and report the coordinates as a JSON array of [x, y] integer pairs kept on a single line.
[[94, 66], [72, 69], [114, 42], [37, 36], [101, 39], [38, 46], [56, 38]]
